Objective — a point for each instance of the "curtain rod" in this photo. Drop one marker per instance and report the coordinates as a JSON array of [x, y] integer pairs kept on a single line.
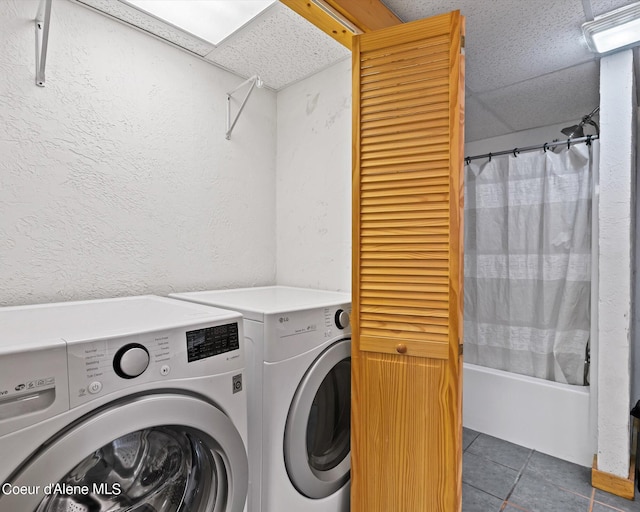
[[544, 146]]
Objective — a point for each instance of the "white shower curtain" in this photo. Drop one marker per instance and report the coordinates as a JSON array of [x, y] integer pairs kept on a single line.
[[527, 282]]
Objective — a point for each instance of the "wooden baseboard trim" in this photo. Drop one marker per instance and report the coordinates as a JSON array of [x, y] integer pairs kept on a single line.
[[624, 487]]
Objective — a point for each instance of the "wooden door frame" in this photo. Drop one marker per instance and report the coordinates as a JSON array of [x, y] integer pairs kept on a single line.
[[342, 19]]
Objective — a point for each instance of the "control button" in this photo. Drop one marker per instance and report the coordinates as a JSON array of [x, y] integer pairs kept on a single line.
[[342, 319], [131, 360], [95, 387], [165, 369]]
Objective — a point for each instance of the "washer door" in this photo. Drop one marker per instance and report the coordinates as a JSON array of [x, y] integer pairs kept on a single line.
[[158, 453], [317, 433]]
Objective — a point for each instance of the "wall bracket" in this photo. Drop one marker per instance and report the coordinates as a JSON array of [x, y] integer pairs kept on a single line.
[[254, 81], [43, 18]]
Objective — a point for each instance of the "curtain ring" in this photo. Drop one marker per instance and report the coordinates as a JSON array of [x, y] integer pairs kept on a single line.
[[515, 152], [569, 143], [589, 140], [545, 146], [468, 160], [490, 155]]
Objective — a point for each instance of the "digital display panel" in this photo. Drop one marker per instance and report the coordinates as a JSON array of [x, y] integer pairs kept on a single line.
[[212, 341]]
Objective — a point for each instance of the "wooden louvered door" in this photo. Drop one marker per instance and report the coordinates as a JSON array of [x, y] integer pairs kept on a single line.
[[408, 95]]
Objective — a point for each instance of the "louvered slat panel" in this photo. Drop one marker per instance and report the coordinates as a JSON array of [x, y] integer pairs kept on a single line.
[[414, 150], [404, 190], [381, 100], [409, 129], [389, 236], [433, 169], [402, 51], [416, 108], [394, 279], [407, 265], [437, 209], [428, 173], [405, 142], [393, 91], [412, 71], [387, 87], [382, 311]]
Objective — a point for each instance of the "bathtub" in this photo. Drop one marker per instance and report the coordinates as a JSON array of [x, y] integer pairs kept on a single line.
[[549, 417]]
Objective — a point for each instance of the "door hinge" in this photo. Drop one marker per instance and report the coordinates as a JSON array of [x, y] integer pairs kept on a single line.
[[460, 349]]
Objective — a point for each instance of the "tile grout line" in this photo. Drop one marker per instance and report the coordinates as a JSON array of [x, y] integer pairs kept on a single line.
[[482, 491], [513, 505], [524, 466], [473, 441]]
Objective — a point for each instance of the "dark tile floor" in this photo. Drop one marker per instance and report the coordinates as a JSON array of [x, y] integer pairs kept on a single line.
[[501, 476]]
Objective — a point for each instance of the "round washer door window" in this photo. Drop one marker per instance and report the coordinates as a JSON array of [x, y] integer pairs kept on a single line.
[[157, 453], [164, 469], [317, 434]]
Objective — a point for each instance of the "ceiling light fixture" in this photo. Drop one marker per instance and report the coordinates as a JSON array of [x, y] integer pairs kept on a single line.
[[614, 30]]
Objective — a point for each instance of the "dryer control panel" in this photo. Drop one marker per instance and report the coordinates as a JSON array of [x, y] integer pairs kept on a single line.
[[100, 367], [289, 334]]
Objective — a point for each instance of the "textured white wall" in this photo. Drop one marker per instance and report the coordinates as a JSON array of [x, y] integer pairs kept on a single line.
[[116, 178], [635, 349], [617, 166], [313, 186]]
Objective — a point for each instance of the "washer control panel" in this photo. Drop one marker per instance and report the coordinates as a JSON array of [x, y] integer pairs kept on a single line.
[[99, 367], [212, 341]]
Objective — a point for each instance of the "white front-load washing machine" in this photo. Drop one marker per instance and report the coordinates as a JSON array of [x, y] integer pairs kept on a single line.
[[134, 404], [299, 392]]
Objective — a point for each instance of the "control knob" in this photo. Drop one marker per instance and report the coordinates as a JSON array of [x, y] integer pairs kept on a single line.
[[342, 319], [131, 360]]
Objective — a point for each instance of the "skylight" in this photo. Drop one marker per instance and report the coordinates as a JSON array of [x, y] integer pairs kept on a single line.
[[211, 20]]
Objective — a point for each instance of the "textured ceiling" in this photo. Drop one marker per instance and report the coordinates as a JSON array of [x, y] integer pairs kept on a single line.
[[527, 64]]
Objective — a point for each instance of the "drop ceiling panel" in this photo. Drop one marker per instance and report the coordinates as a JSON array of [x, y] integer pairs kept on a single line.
[[280, 46], [601, 6], [149, 24], [565, 95], [481, 123], [507, 41]]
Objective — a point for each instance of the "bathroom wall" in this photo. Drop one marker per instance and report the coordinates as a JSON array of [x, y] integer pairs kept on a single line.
[[116, 178], [313, 185], [635, 346]]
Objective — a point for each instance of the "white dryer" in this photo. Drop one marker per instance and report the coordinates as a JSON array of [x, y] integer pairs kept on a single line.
[[299, 392], [134, 404]]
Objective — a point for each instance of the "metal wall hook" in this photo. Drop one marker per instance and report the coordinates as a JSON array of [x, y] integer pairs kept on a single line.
[[254, 81]]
